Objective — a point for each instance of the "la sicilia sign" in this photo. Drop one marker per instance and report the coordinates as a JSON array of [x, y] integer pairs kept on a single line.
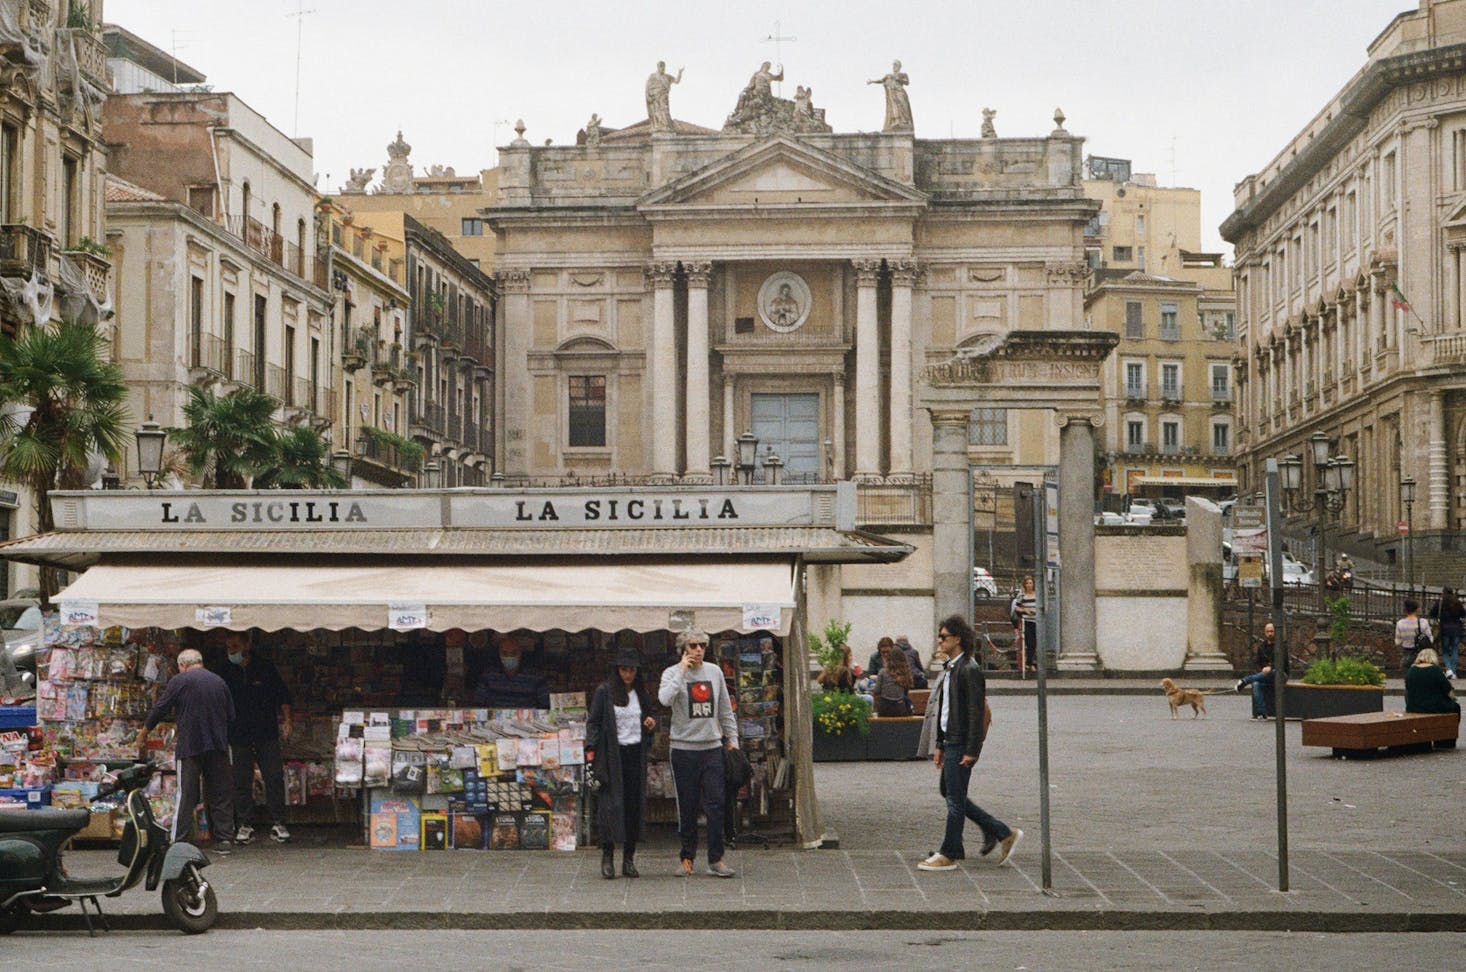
[[281, 510]]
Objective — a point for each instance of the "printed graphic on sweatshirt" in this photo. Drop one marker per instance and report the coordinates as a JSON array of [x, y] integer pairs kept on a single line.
[[699, 700]]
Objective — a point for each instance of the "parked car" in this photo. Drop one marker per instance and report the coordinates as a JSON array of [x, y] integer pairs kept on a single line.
[[1171, 508], [983, 584], [1294, 570], [20, 626], [1107, 518]]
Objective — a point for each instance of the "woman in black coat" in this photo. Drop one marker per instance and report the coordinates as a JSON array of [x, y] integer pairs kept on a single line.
[[618, 733]]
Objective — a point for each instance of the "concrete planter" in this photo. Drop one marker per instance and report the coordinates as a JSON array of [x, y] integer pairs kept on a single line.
[[1306, 701], [889, 739]]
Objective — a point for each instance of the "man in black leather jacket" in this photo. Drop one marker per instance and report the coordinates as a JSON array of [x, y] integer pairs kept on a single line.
[[960, 698]]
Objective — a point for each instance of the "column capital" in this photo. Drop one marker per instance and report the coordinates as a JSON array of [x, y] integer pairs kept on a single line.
[[904, 271], [699, 272], [946, 415], [513, 281], [866, 272], [1070, 273], [660, 274], [1094, 419]]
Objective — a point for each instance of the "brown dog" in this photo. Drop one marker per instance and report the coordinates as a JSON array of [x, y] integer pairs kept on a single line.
[[1178, 697]]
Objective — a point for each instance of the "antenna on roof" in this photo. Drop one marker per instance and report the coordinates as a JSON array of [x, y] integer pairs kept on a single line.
[[299, 14]]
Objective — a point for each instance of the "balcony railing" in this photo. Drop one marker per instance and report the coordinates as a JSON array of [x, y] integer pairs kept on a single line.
[[1171, 393], [429, 415], [244, 368], [1171, 449], [91, 54], [212, 355], [274, 247], [309, 395], [1136, 392], [894, 504], [1221, 396], [1140, 448], [23, 250], [455, 428], [277, 384]]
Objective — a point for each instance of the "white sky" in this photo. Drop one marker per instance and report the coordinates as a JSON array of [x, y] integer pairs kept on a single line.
[[1200, 93]]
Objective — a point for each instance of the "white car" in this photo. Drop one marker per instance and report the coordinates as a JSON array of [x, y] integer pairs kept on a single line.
[[1107, 518], [1295, 571], [983, 583]]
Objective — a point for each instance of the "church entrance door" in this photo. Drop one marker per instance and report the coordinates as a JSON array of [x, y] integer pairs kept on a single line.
[[791, 424]]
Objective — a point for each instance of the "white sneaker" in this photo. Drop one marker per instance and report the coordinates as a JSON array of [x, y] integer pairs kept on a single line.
[[937, 862], [279, 834], [244, 834], [1450, 673]]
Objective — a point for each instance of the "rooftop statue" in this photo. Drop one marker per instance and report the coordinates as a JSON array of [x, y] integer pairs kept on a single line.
[[898, 106], [357, 181], [988, 129], [759, 112], [658, 97]]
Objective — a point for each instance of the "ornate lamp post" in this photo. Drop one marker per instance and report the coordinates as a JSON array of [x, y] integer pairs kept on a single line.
[[721, 468], [1333, 478], [1407, 496], [150, 438], [432, 474], [773, 465], [747, 457], [341, 465]]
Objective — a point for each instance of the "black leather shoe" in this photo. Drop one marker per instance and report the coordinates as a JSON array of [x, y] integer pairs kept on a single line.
[[608, 864], [628, 867], [987, 845]]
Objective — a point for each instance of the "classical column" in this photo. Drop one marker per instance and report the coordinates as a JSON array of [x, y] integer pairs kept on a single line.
[[837, 424], [730, 431], [867, 373], [951, 512], [1077, 643], [1205, 591], [698, 469], [903, 274], [513, 378], [662, 373], [1438, 499]]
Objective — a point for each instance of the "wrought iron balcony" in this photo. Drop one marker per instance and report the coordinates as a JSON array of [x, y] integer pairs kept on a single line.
[[23, 250]]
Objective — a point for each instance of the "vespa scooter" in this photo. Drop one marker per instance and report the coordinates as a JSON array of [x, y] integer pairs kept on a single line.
[[33, 878]]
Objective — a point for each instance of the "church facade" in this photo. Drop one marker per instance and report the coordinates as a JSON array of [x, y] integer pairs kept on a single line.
[[666, 289]]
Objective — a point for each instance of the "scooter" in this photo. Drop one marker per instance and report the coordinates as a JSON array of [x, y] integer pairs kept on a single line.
[[33, 878]]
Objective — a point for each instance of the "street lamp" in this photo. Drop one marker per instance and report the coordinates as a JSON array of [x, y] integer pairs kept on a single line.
[[1333, 479], [1407, 496], [432, 474], [721, 468], [341, 465], [150, 437], [747, 457], [772, 467]]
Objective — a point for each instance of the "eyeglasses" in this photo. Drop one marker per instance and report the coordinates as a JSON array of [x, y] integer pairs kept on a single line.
[[697, 644], [943, 635]]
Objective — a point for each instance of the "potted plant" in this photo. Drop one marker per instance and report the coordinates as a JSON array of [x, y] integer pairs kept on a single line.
[[1344, 685], [841, 725]]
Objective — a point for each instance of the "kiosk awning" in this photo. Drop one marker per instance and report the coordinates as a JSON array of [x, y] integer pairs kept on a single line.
[[541, 597]]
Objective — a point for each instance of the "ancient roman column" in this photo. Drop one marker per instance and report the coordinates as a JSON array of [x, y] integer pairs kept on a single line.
[[518, 328], [1438, 499], [662, 373], [1077, 646], [951, 512], [837, 425], [867, 373], [903, 274], [697, 455]]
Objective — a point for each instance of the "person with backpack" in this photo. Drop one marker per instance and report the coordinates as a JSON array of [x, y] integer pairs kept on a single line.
[[1412, 633]]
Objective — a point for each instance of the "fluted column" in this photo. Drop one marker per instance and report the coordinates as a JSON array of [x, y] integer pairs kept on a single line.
[[662, 372], [698, 469], [867, 372], [513, 380], [1077, 637], [1438, 499], [837, 425], [903, 275]]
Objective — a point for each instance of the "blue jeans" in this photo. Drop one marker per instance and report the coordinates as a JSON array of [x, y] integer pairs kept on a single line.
[[1450, 650], [960, 809], [1262, 684]]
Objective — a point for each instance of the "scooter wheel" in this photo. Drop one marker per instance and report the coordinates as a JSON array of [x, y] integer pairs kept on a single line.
[[192, 910], [9, 920]]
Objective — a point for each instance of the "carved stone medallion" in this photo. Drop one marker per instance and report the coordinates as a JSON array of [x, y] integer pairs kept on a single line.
[[784, 302]]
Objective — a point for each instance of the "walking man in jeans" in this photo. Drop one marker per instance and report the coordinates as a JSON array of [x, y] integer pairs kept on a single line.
[[960, 700], [259, 694], [702, 727]]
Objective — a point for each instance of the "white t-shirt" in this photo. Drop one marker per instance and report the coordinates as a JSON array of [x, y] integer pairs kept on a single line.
[[628, 720]]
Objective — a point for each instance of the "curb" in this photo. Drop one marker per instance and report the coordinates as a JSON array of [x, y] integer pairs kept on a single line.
[[781, 920]]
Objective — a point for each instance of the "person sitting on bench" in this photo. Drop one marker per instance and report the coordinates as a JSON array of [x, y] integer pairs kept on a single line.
[[894, 681], [1426, 687]]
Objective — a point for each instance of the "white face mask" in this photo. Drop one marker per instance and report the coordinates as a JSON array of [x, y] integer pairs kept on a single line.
[[236, 658], [510, 663]]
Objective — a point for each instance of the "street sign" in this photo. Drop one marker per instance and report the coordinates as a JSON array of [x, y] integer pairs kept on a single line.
[[1249, 542], [1404, 528]]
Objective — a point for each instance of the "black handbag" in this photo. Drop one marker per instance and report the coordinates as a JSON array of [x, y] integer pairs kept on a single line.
[[1422, 640]]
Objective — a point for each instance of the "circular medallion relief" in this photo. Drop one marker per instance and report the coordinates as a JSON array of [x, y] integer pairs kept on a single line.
[[784, 302]]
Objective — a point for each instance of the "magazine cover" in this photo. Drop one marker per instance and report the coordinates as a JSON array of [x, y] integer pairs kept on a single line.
[[434, 831], [534, 831], [562, 831], [505, 835], [468, 830]]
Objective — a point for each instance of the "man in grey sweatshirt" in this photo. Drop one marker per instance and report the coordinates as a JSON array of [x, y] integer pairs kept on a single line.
[[702, 727]]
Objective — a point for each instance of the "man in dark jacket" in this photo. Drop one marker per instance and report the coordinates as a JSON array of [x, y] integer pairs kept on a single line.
[[961, 697], [262, 715], [1261, 682], [202, 710], [510, 686]]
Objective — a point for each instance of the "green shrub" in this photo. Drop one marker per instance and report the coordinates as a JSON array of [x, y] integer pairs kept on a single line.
[[1342, 614], [830, 651], [1346, 670], [835, 713]]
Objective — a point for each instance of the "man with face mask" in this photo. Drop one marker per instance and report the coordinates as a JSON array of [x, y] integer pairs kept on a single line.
[[509, 685], [262, 714]]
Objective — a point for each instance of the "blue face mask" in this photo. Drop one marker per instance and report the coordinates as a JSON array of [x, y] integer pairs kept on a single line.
[[510, 663], [236, 659]]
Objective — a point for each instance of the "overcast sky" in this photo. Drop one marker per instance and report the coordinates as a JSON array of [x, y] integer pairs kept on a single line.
[[1200, 93]]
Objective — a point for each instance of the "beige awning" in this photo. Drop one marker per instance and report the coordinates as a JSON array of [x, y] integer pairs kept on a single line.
[[1229, 482], [543, 597]]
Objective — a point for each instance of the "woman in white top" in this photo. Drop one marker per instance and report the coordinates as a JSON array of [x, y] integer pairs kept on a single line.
[[618, 733], [1408, 633]]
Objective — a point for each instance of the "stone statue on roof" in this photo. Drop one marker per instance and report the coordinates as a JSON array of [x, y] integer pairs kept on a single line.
[[658, 97], [357, 182], [760, 112], [898, 105]]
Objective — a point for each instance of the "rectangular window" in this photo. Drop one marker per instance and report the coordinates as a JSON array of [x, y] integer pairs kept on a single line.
[[1140, 257], [1171, 382], [1221, 438], [1351, 219], [1387, 182], [1134, 319], [473, 226], [9, 159], [1221, 382], [1170, 326], [1134, 379], [228, 362], [1124, 254], [70, 201], [1134, 435], [196, 320], [988, 427], [587, 411], [1170, 436], [1140, 225]]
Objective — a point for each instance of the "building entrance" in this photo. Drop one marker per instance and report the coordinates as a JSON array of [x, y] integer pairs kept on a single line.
[[791, 425]]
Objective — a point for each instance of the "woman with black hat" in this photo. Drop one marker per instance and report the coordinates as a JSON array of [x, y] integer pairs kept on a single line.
[[617, 734]]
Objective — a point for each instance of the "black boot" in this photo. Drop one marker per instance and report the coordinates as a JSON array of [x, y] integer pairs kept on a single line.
[[628, 861], [608, 861]]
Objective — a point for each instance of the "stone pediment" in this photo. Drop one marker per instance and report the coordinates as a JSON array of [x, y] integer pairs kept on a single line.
[[781, 171]]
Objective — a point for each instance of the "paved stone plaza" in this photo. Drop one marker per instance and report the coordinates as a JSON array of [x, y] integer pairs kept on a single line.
[[1157, 824]]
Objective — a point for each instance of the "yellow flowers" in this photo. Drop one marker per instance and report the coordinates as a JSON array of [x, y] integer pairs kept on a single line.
[[836, 712]]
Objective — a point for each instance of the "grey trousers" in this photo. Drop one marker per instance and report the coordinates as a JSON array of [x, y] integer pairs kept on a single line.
[[212, 768]]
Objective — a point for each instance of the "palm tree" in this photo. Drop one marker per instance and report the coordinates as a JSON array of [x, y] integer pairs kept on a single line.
[[66, 405], [229, 438], [302, 461]]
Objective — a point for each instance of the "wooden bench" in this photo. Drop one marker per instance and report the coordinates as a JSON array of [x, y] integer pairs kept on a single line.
[[1366, 732]]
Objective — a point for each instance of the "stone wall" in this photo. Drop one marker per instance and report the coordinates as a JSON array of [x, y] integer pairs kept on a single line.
[[1141, 581]]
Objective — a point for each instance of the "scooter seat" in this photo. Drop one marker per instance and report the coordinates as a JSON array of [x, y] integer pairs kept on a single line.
[[46, 818]]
